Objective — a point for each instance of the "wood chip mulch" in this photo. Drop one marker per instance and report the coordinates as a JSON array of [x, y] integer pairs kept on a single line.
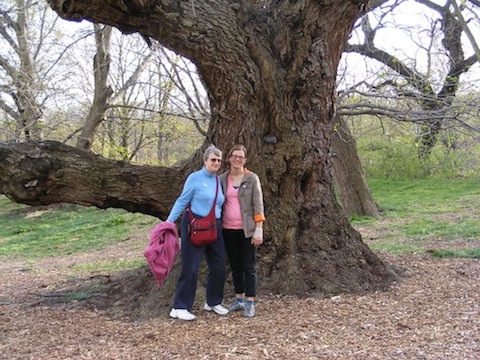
[[433, 313]]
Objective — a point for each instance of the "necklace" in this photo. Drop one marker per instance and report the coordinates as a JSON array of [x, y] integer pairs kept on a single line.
[[236, 179]]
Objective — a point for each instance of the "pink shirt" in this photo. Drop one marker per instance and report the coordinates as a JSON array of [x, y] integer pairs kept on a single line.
[[232, 214]]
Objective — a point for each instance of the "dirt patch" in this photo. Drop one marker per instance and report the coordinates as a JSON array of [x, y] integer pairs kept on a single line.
[[433, 313]]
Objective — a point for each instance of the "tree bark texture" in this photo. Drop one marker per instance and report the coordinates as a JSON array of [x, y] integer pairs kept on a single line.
[[354, 193], [270, 76], [51, 172]]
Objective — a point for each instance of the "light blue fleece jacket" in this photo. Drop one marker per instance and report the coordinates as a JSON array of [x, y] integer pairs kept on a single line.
[[198, 191]]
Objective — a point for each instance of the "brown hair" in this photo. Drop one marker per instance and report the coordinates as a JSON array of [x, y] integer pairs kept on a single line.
[[236, 148]]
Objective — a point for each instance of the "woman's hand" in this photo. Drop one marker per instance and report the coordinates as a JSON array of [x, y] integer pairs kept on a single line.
[[257, 238]]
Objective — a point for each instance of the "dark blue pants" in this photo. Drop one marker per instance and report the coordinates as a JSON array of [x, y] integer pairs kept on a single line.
[[242, 258], [191, 259]]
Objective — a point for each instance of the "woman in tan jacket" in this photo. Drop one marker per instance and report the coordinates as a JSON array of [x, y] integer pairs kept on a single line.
[[242, 221]]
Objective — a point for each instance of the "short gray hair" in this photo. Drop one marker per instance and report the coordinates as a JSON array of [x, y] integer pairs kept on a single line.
[[212, 149]]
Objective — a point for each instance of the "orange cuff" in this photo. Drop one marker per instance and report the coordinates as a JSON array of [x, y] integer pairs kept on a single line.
[[259, 218]]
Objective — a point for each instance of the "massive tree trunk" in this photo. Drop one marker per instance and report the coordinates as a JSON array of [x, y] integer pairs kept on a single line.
[[270, 75]]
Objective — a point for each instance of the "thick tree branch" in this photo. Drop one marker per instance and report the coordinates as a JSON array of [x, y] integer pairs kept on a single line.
[[465, 28], [432, 5], [160, 20], [475, 2], [9, 110], [411, 76], [51, 172]]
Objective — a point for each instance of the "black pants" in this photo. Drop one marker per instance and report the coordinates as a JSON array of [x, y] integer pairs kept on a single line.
[[242, 257]]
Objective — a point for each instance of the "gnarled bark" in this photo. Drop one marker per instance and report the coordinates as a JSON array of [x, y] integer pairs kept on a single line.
[[51, 172]]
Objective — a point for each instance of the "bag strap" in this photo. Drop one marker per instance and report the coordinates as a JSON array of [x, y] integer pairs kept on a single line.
[[212, 210], [216, 193]]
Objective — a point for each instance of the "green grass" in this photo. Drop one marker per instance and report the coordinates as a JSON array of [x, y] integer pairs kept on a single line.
[[410, 197], [109, 266], [396, 248], [441, 217], [31, 232], [419, 213], [466, 253]]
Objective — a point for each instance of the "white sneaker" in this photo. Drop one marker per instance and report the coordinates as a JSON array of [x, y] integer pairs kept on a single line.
[[219, 309], [182, 314]]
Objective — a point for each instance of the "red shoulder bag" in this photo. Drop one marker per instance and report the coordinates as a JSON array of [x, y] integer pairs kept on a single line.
[[203, 231]]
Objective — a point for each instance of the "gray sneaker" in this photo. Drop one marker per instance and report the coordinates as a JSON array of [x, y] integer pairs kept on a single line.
[[249, 309], [236, 306]]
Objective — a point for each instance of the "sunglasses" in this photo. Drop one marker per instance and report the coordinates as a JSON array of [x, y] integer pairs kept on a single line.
[[216, 160]]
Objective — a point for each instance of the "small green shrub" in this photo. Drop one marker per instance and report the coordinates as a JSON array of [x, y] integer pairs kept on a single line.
[[390, 150]]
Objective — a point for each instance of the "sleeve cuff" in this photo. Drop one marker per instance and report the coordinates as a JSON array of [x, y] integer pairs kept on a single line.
[[259, 218]]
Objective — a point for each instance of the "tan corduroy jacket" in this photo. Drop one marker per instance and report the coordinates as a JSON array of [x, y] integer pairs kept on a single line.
[[251, 200]]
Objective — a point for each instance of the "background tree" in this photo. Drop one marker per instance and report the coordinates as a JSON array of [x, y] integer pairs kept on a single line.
[[36, 81], [403, 88], [105, 97], [354, 193], [101, 66], [74, 97], [138, 101], [19, 65], [415, 89]]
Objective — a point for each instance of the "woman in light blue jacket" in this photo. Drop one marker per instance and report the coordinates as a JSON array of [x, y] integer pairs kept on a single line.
[[199, 193]]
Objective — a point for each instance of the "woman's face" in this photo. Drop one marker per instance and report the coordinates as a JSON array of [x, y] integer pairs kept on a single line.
[[213, 163], [237, 159]]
